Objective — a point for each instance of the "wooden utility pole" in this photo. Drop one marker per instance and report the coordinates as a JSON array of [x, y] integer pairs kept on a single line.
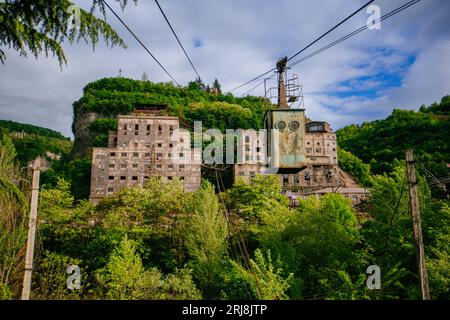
[[417, 229], [26, 290]]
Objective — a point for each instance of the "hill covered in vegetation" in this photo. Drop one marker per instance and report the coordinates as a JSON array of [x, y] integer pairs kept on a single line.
[[381, 142], [104, 99], [32, 141]]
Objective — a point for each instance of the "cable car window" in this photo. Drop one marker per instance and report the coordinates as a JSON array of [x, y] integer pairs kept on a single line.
[[281, 125], [294, 125]]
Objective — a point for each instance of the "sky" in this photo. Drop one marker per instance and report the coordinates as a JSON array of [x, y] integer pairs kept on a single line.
[[404, 64]]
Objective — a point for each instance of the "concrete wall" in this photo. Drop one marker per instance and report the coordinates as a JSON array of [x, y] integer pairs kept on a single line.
[[144, 146]]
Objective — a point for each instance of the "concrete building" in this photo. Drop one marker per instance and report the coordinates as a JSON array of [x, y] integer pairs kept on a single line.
[[319, 168], [320, 174], [356, 195], [146, 144], [304, 152]]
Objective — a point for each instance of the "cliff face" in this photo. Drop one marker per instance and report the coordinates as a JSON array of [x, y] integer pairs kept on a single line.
[[82, 133]]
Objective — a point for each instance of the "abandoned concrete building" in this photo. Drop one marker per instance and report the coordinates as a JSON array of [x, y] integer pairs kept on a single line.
[[147, 143], [303, 152]]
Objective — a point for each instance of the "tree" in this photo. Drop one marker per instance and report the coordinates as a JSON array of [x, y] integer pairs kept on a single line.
[[152, 214], [267, 282], [353, 165], [217, 86], [40, 26], [126, 279], [317, 242], [124, 276], [197, 85], [389, 235], [206, 239], [389, 138], [50, 278], [13, 213], [259, 197]]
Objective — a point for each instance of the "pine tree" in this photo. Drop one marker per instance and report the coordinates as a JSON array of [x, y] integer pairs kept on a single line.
[[41, 26], [217, 86]]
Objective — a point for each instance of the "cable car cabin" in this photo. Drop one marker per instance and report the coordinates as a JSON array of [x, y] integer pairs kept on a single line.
[[286, 140]]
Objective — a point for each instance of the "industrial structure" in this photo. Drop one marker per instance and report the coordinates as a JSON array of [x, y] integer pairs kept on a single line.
[[147, 143], [303, 153]]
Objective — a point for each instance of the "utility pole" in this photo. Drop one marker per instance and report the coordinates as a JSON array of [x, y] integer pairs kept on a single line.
[[417, 229], [26, 290]]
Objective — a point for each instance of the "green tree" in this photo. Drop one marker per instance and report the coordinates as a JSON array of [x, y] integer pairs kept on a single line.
[[425, 132], [41, 26], [154, 215], [206, 239], [353, 165], [124, 275], [50, 278], [217, 86], [126, 279], [56, 202], [267, 281], [13, 213], [317, 242], [388, 232], [257, 198]]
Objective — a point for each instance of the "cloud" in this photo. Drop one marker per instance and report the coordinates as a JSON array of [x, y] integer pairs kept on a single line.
[[403, 65]]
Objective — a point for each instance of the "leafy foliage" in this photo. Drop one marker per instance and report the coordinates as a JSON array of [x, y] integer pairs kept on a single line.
[[389, 139], [353, 165], [266, 281], [12, 126], [126, 279], [32, 141], [206, 239], [13, 212], [442, 108], [110, 97], [99, 131], [41, 26]]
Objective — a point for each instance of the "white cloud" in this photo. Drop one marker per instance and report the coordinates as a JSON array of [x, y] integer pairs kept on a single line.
[[242, 39]]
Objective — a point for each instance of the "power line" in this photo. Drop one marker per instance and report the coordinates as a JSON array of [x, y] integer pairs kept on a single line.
[[179, 42], [395, 211], [357, 31], [250, 90], [250, 81], [332, 29], [243, 247], [259, 84], [140, 42], [309, 45]]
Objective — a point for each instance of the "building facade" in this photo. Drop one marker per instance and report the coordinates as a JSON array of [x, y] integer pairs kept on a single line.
[[144, 145], [318, 170]]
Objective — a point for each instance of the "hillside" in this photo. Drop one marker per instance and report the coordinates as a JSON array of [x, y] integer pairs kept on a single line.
[[379, 143], [32, 141], [103, 100]]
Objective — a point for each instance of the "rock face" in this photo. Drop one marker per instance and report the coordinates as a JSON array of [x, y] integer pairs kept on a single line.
[[82, 134], [347, 180]]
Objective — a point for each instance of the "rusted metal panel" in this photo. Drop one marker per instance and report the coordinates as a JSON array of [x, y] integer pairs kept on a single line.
[[286, 145]]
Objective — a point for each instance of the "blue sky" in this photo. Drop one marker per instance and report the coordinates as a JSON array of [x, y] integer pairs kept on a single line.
[[402, 65], [372, 86]]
